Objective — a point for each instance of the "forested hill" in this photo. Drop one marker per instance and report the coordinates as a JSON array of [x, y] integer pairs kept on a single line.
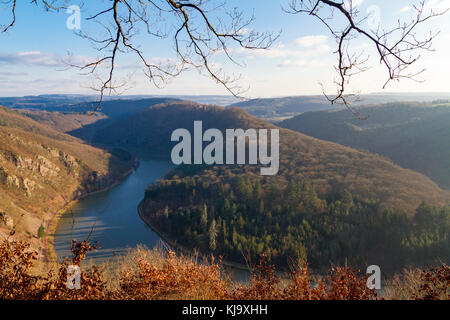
[[326, 166], [112, 107], [275, 109], [326, 202], [413, 135], [41, 169]]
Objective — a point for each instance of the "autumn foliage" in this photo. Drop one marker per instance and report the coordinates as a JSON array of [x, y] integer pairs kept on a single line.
[[161, 274]]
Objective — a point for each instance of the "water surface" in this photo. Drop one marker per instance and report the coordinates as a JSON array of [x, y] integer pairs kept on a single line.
[[111, 217]]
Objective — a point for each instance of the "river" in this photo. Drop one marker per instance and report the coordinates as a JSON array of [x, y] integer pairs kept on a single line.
[[111, 216]]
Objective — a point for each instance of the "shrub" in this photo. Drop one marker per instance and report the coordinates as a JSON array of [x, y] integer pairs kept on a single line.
[[161, 274]]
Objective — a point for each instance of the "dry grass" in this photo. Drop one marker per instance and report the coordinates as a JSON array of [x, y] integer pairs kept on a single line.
[[161, 274], [418, 284]]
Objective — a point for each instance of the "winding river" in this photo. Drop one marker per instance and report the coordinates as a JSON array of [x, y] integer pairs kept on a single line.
[[111, 216]]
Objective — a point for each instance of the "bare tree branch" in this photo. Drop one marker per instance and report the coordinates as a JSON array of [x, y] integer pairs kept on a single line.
[[203, 29], [198, 34], [397, 48]]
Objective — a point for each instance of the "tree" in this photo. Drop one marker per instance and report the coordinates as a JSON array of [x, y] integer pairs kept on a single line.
[[166, 212], [204, 217], [212, 235], [41, 232], [201, 31], [347, 200]]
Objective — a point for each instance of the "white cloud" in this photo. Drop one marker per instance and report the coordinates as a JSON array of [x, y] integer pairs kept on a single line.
[[274, 52], [307, 46], [302, 52], [293, 63], [283, 53], [311, 41], [405, 9], [299, 63], [437, 5], [36, 58], [243, 31]]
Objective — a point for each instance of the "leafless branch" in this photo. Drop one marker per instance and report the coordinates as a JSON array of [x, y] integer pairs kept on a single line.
[[203, 29], [198, 31], [397, 48]]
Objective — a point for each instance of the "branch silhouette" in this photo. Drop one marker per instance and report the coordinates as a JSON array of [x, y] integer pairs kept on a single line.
[[398, 48], [201, 29]]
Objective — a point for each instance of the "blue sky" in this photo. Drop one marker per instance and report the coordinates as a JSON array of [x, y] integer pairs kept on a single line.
[[31, 54]]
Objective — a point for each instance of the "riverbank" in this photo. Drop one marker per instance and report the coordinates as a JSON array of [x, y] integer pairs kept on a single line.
[[50, 254], [182, 249]]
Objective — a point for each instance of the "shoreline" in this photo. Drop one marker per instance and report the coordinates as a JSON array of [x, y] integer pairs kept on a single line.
[[183, 249], [52, 224]]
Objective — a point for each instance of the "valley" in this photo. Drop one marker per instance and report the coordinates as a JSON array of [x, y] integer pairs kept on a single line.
[[323, 205], [43, 170], [324, 200], [259, 153]]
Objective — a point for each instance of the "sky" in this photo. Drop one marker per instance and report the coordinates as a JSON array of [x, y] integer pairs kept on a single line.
[[33, 51]]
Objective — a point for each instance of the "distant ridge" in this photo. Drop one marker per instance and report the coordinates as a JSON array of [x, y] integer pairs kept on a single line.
[[414, 135]]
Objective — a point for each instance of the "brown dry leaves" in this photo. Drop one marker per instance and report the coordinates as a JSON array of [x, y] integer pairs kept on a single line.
[[168, 276]]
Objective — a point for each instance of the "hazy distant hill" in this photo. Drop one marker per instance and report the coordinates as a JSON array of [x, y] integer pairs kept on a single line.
[[41, 102], [78, 120], [415, 136], [275, 109], [113, 109], [51, 102], [63, 122], [41, 169]]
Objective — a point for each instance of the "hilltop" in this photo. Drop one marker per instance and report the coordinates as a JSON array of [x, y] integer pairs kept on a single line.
[[63, 121], [79, 119]]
